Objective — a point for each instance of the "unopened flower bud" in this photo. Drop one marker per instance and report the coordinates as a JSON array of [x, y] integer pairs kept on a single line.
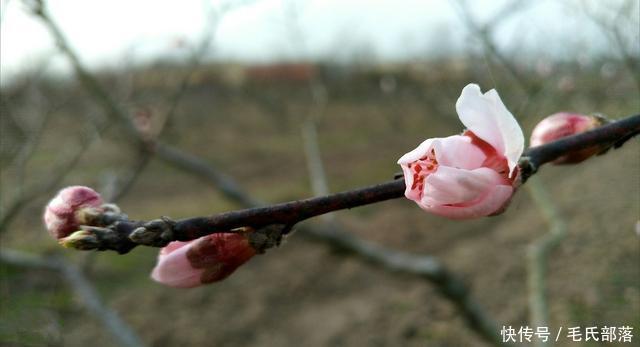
[[72, 207], [563, 124], [81, 240], [205, 260]]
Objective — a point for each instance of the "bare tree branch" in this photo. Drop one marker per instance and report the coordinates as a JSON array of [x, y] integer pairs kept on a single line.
[[83, 289], [611, 29], [538, 253], [312, 153], [45, 186], [425, 267], [484, 32], [125, 235]]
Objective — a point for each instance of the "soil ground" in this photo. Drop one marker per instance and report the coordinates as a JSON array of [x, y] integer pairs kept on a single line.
[[303, 293]]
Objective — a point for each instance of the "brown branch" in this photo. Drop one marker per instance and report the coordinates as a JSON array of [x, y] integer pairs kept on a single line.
[[125, 235]]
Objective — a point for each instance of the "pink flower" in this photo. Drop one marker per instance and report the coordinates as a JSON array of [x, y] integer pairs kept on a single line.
[[559, 125], [205, 260], [469, 175], [63, 214]]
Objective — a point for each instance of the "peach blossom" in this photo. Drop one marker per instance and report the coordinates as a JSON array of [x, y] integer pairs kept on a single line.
[[563, 124], [472, 174], [205, 260], [62, 214]]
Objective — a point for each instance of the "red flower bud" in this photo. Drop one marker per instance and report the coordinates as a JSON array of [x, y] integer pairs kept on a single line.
[[565, 124], [205, 260], [67, 211]]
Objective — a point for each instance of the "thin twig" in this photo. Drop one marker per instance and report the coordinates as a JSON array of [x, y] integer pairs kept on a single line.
[[91, 84], [613, 31], [484, 32], [84, 290], [312, 153], [206, 171], [425, 267], [47, 185], [538, 252]]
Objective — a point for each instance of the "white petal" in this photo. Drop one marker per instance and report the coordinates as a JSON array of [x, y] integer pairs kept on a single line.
[[417, 153], [487, 117]]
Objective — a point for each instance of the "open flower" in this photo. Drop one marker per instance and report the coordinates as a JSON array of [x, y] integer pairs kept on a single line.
[[205, 260], [563, 124], [66, 211], [469, 175]]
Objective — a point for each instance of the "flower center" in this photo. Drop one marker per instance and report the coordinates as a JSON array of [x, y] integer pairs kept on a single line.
[[494, 160], [421, 168]]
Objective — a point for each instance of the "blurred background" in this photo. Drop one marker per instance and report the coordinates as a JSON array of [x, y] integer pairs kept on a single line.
[[237, 103]]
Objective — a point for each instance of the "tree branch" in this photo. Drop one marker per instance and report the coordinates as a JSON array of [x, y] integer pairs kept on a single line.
[[426, 267], [538, 252], [124, 235], [85, 291]]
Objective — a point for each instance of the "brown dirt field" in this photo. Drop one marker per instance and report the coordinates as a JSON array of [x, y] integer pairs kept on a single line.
[[303, 293]]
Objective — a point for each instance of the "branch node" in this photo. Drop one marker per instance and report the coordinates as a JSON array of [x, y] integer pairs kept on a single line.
[[156, 233], [268, 237], [527, 168]]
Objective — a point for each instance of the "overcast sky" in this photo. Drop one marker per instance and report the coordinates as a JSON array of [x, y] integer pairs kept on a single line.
[[114, 32]]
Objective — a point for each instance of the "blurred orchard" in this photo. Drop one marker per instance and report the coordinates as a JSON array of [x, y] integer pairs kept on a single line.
[[268, 101]]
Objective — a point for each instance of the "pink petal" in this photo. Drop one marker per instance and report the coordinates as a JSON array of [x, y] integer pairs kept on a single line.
[[404, 161], [174, 269], [205, 260], [60, 214], [458, 186], [487, 117], [494, 200], [172, 246], [77, 196], [559, 125], [457, 151]]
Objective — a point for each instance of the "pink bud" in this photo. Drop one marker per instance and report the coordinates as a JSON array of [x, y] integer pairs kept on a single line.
[[208, 259], [469, 175], [563, 124], [64, 213]]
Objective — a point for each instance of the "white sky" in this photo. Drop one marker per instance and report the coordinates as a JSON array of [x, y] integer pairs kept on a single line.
[[116, 32]]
